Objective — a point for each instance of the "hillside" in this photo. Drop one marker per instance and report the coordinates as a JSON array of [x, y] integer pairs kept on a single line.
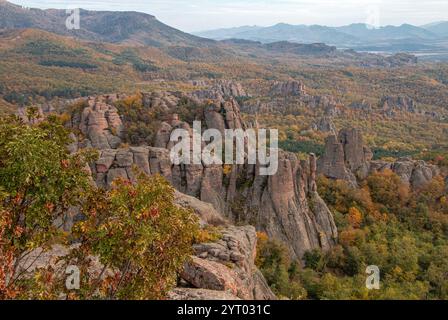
[[360, 37], [117, 27]]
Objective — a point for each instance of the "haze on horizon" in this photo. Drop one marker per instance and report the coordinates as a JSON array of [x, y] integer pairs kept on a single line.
[[200, 15]]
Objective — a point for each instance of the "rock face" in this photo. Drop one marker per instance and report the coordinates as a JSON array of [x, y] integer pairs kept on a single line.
[[219, 89], [325, 124], [347, 158], [393, 105], [279, 205], [362, 105], [288, 88], [100, 124], [415, 173], [228, 265]]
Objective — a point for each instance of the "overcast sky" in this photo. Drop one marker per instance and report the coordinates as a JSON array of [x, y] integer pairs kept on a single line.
[[198, 15]]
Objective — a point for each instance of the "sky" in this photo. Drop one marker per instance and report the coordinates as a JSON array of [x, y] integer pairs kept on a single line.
[[200, 15]]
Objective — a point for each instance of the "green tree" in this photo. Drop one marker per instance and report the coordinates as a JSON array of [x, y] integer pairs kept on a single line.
[[39, 181]]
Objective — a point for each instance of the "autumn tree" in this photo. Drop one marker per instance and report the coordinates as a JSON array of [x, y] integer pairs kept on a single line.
[[386, 188], [39, 181], [137, 231]]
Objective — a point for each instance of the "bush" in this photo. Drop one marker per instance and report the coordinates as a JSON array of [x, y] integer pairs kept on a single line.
[[137, 230], [39, 181]]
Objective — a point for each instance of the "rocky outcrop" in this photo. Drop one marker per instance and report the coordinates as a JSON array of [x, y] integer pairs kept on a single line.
[[100, 124], [347, 158], [228, 265], [362, 105], [200, 294], [205, 211], [390, 106], [280, 204], [219, 90], [415, 173], [356, 154], [325, 124], [288, 88], [161, 100]]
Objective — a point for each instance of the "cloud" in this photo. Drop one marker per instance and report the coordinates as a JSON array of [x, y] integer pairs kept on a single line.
[[194, 15]]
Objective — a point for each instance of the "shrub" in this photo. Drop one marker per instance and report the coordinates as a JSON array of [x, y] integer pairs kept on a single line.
[[139, 231], [39, 181]]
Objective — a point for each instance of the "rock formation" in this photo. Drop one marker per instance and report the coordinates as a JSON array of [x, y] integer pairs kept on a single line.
[[100, 124], [228, 265], [286, 206], [415, 173], [325, 124], [362, 105], [347, 158], [219, 89], [390, 106], [288, 88]]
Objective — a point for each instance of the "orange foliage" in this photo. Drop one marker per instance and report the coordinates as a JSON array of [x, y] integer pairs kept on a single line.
[[354, 217]]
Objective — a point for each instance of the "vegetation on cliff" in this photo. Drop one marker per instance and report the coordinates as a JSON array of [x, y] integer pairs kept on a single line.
[[141, 238]]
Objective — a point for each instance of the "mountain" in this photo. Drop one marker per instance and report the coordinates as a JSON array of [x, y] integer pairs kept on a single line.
[[282, 32], [346, 36], [224, 34], [367, 33], [439, 28], [116, 27]]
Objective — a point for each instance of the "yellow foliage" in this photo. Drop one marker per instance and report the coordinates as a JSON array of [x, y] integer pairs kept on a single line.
[[227, 169], [354, 217]]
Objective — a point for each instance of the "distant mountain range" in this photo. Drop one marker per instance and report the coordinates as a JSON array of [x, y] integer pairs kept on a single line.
[[141, 29], [352, 36]]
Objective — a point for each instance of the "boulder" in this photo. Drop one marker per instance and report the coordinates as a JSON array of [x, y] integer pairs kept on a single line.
[[228, 265]]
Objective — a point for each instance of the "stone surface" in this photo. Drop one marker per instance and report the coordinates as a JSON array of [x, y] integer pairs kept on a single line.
[[390, 106], [325, 124], [278, 205], [228, 265], [219, 89], [288, 88], [100, 124], [416, 174], [347, 158]]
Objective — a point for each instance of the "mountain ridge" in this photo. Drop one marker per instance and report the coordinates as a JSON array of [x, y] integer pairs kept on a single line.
[[116, 27], [353, 34]]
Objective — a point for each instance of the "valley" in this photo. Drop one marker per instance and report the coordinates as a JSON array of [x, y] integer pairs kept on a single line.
[[87, 177]]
